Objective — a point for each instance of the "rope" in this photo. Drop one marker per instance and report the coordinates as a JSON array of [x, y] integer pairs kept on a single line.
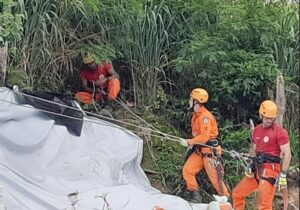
[[49, 112], [134, 114], [87, 120], [170, 137], [93, 97], [242, 157], [154, 129], [91, 113]]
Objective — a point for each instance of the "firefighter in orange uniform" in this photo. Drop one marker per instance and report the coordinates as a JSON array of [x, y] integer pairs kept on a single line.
[[270, 142], [204, 131], [100, 81]]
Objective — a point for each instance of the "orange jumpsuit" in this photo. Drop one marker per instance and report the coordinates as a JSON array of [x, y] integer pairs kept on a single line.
[[113, 89], [204, 128]]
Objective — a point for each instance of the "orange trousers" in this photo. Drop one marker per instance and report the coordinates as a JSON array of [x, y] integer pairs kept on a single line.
[[266, 190], [113, 90], [194, 164]]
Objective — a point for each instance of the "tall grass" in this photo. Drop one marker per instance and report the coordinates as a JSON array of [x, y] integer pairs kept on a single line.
[[54, 35], [286, 47], [145, 50]]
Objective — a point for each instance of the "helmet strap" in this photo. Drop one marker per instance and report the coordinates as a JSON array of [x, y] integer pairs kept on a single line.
[[194, 104]]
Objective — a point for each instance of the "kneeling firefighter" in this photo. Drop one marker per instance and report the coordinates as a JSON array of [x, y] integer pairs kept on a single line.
[[99, 80], [267, 170], [204, 131]]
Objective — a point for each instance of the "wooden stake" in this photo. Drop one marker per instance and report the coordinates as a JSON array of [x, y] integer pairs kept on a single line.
[[280, 99], [3, 63]]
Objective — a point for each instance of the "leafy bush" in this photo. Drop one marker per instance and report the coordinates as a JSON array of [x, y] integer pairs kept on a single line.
[[19, 78], [10, 23], [237, 138], [169, 159]]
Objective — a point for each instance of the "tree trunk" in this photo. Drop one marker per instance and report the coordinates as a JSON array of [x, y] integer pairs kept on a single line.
[[3, 63], [280, 99]]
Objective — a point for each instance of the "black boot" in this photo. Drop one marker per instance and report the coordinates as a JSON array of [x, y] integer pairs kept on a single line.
[[195, 197], [108, 106]]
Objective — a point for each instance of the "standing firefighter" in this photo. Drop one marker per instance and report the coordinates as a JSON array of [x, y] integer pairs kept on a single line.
[[270, 142], [204, 131], [100, 81]]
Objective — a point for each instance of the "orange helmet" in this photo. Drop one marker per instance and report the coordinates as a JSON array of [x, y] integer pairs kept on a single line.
[[200, 95], [268, 109]]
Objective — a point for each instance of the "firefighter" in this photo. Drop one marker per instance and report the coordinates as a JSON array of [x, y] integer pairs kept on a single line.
[[204, 131], [267, 170], [100, 81]]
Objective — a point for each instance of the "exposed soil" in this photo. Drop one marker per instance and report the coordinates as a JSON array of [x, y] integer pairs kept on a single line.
[[293, 181]]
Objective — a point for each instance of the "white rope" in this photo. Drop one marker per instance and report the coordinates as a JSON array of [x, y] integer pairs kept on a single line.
[[134, 114], [91, 113], [170, 137], [86, 120], [155, 129], [234, 154]]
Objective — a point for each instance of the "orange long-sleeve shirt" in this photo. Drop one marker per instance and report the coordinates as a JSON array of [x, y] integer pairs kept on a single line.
[[204, 127]]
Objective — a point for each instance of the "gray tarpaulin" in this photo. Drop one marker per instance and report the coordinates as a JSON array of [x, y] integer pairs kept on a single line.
[[41, 163]]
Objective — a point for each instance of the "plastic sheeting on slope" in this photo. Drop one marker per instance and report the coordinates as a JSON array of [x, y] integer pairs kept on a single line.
[[41, 163], [72, 125]]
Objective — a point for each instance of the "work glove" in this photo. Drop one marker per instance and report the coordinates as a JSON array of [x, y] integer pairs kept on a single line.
[[281, 181], [220, 199], [249, 172], [184, 142]]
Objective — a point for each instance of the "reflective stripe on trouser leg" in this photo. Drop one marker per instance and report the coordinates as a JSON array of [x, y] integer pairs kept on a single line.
[[191, 168]]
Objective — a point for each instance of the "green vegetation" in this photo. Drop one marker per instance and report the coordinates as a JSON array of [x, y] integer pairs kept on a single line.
[[162, 50], [10, 23]]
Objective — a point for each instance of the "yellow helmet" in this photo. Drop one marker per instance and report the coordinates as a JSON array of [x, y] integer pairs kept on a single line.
[[200, 95], [268, 109], [88, 59]]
